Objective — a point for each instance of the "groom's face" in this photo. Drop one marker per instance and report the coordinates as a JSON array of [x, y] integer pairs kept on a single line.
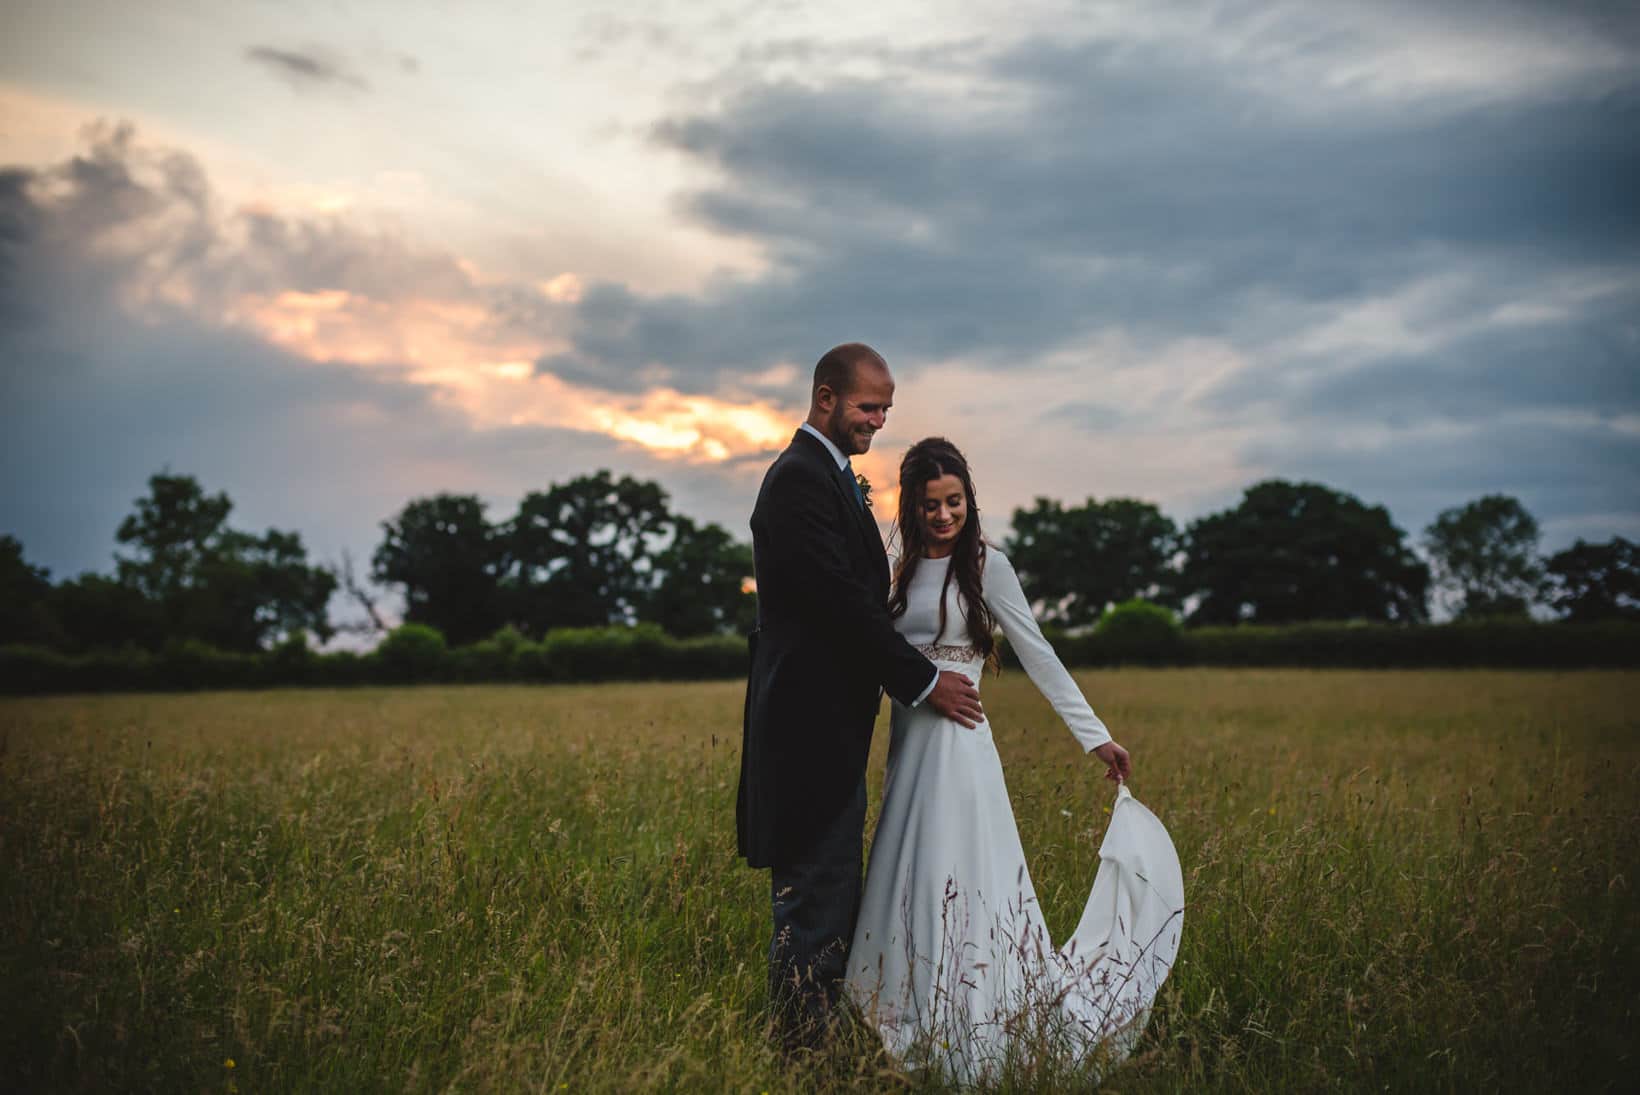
[[858, 414]]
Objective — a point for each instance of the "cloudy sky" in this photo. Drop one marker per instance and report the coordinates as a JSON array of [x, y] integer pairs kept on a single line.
[[331, 256]]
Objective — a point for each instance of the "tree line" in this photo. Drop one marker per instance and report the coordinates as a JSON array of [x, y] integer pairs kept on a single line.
[[588, 553], [591, 552], [599, 551], [1291, 552]]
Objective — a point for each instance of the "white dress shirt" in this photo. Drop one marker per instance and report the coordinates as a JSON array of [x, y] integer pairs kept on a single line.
[[831, 447]]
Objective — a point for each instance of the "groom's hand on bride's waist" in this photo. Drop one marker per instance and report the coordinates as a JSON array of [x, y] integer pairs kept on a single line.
[[955, 697]]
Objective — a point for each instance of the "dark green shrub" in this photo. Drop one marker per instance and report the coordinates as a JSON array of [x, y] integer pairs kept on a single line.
[[509, 640], [709, 657], [25, 669], [492, 659], [293, 661], [1520, 644], [605, 653], [1138, 630], [412, 652], [529, 662], [417, 654], [340, 668], [190, 665]]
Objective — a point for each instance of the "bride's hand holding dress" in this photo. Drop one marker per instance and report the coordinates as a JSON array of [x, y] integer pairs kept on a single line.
[[1118, 765]]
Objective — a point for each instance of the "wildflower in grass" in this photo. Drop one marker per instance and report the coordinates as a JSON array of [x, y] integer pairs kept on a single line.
[[227, 1063]]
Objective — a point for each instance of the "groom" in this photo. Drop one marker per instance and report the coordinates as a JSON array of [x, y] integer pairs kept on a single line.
[[824, 651]]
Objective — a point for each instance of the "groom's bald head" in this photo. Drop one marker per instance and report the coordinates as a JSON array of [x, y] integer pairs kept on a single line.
[[852, 393], [840, 366]]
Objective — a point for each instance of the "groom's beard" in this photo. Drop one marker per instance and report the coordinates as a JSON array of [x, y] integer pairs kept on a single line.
[[852, 442]]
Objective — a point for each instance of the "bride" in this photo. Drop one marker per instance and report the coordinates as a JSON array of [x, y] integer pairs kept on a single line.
[[951, 961]]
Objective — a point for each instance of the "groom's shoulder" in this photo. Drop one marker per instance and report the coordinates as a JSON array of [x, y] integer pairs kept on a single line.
[[793, 473], [797, 458]]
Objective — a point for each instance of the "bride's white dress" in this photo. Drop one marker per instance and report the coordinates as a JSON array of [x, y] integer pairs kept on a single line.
[[951, 959]]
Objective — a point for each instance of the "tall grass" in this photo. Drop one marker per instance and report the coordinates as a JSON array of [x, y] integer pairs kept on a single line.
[[1412, 881]]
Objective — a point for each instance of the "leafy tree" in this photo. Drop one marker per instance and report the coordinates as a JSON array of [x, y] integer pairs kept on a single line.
[[699, 582], [25, 594], [582, 554], [445, 556], [174, 532], [252, 590], [1485, 556], [1076, 561], [1301, 551], [294, 594], [1597, 581], [210, 582]]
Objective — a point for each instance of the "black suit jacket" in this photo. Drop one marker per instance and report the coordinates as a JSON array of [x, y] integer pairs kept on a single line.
[[824, 648]]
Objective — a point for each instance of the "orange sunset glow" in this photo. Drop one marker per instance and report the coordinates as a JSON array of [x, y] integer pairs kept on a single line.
[[454, 347]]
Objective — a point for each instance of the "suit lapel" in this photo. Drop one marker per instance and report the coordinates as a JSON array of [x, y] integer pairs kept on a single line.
[[864, 525], [862, 514], [867, 526]]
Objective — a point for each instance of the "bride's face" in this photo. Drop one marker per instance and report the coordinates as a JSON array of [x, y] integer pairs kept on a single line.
[[944, 512]]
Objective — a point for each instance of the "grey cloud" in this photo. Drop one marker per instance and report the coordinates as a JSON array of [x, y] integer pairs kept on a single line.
[[1122, 151], [150, 219], [94, 399], [1613, 20], [328, 449], [604, 35], [1171, 194], [1591, 366], [1131, 190], [305, 68], [15, 223], [1586, 362], [1088, 415], [813, 55], [279, 253], [1572, 476]]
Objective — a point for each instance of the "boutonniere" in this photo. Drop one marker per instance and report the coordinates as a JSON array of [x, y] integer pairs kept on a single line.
[[865, 488]]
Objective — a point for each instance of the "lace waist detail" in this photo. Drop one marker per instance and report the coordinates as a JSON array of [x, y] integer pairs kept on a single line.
[[947, 652]]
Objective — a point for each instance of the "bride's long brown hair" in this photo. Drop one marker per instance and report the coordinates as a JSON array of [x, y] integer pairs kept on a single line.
[[924, 462]]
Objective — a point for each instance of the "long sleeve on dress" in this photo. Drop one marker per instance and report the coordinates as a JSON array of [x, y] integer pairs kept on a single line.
[[1006, 599]]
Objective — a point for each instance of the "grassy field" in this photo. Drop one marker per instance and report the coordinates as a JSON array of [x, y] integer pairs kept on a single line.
[[1403, 881]]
